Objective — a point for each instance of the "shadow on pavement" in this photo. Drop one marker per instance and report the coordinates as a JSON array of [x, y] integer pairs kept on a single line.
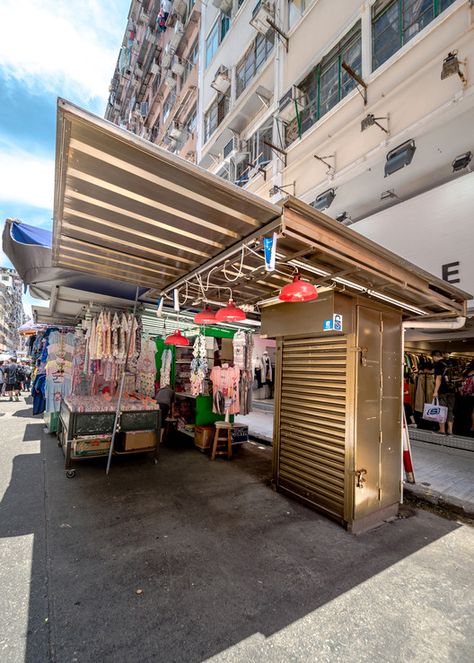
[[28, 413], [217, 554]]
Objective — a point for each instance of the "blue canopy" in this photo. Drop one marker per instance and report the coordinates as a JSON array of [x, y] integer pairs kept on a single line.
[[29, 249]]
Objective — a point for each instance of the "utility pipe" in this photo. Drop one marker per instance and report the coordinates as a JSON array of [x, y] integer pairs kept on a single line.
[[436, 325]]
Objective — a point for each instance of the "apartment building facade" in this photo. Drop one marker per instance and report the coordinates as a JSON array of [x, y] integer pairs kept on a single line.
[[369, 107], [363, 108], [11, 309], [153, 92]]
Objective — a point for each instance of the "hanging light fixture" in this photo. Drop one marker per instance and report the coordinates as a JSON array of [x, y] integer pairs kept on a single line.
[[205, 317], [298, 291], [230, 313], [177, 339]]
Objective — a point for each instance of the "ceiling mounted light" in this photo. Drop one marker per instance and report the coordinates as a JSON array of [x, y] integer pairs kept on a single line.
[[298, 291], [399, 157], [462, 161], [324, 200], [344, 218], [230, 313], [452, 66], [177, 339], [205, 317], [386, 195]]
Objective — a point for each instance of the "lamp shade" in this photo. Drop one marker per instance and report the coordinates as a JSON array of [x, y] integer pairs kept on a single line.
[[230, 313], [205, 317], [176, 339], [298, 291]]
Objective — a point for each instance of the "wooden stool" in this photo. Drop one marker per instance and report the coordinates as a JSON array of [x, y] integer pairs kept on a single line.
[[223, 432]]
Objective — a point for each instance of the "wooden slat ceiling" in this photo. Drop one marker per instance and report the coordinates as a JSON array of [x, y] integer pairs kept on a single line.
[[129, 210]]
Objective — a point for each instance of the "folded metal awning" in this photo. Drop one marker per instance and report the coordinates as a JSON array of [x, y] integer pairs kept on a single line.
[[127, 209]]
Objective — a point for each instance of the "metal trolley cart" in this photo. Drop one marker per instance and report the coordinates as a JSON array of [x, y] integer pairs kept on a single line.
[[83, 435]]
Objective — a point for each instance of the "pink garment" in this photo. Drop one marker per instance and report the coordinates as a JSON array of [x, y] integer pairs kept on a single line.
[[226, 381]]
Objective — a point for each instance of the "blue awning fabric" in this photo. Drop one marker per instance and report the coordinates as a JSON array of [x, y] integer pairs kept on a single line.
[[29, 249]]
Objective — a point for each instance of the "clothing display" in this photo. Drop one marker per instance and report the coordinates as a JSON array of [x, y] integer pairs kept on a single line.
[[225, 389], [199, 366], [165, 372], [420, 372], [146, 370]]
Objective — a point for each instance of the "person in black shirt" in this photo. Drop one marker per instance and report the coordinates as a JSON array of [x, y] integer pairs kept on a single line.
[[443, 390]]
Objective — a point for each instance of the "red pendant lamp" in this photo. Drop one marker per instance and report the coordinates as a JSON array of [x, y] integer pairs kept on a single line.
[[177, 339], [298, 291], [230, 313], [205, 317]]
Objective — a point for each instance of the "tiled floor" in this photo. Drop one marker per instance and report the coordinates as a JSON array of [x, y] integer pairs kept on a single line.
[[448, 471]]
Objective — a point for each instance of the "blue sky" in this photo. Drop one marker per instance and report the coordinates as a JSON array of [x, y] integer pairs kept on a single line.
[[48, 48]]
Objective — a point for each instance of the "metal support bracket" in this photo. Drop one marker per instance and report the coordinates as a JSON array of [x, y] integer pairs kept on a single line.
[[282, 36], [358, 79], [281, 154]]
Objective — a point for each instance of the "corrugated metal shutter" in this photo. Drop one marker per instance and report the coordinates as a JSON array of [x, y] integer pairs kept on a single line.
[[311, 460]]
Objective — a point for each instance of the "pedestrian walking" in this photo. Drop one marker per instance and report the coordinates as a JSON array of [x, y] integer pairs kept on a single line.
[[13, 380], [26, 368], [2, 378]]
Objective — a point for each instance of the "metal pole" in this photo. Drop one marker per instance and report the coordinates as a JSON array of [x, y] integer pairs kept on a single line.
[[122, 381]]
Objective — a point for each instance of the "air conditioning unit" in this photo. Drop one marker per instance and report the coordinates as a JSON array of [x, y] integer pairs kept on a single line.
[[224, 5], [177, 67], [167, 55], [175, 131], [179, 7], [221, 81], [170, 80], [138, 71], [286, 105], [262, 13], [117, 105], [142, 18], [234, 151], [155, 68], [177, 34], [172, 144]]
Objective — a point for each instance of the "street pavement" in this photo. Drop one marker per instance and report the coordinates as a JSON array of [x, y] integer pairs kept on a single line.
[[191, 561]]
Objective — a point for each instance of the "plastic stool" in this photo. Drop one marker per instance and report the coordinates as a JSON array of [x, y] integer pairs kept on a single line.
[[223, 432]]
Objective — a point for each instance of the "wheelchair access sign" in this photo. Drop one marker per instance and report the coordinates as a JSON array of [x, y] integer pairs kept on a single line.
[[334, 323]]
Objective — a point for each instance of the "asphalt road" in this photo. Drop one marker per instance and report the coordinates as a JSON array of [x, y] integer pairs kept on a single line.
[[192, 561]]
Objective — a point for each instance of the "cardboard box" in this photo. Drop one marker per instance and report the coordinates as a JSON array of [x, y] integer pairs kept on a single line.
[[240, 433], [91, 446], [203, 437], [135, 440]]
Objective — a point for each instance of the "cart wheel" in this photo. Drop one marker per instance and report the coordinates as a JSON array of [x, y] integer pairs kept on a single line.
[[70, 474]]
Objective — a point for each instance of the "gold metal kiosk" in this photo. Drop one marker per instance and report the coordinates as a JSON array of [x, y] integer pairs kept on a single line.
[[126, 209]]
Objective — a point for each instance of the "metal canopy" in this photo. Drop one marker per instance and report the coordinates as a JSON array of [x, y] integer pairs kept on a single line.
[[328, 254], [128, 210]]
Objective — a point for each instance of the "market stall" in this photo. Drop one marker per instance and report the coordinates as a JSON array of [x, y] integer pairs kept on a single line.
[[334, 301]]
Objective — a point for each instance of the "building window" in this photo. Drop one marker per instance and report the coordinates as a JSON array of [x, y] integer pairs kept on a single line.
[[190, 61], [190, 122], [216, 35], [260, 153], [395, 22], [253, 60], [168, 105], [296, 9], [327, 84], [215, 115]]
